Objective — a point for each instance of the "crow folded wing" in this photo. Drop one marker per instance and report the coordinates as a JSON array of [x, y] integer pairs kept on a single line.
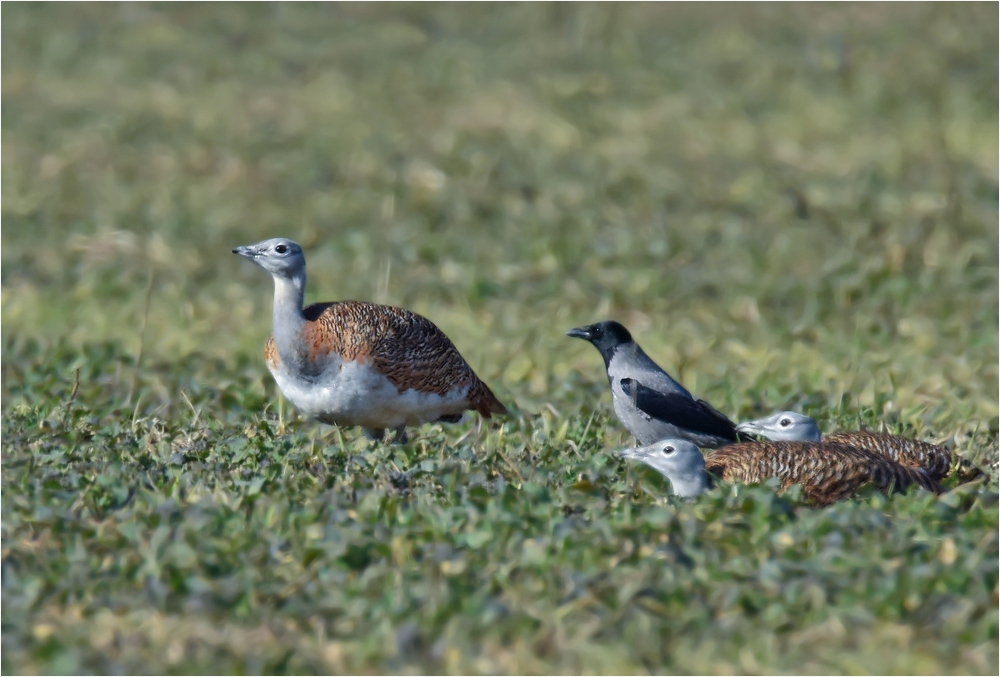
[[693, 415]]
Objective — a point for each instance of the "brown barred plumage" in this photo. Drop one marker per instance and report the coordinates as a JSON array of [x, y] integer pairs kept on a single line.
[[936, 461], [827, 472], [406, 348]]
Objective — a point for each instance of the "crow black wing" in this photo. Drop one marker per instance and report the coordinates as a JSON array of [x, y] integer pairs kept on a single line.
[[696, 416]]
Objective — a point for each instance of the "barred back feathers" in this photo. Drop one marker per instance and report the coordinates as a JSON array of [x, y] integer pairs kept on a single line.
[[827, 472]]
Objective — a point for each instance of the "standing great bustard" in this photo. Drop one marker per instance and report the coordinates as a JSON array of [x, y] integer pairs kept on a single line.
[[827, 473], [357, 363], [936, 461]]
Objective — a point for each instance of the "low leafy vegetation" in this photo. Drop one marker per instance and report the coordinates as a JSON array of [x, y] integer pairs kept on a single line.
[[791, 208]]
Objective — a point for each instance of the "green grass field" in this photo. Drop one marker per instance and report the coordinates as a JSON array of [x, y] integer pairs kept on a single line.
[[791, 206]]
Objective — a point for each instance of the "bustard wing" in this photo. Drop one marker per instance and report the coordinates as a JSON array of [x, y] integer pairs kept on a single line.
[[406, 347], [934, 460], [827, 472]]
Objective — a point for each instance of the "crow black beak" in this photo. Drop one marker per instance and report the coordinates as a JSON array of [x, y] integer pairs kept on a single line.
[[581, 333]]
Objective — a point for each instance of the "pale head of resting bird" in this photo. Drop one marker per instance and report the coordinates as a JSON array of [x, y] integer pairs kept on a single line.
[[785, 426], [680, 461], [279, 256]]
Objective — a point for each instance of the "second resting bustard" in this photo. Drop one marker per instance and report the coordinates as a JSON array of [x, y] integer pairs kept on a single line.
[[936, 461]]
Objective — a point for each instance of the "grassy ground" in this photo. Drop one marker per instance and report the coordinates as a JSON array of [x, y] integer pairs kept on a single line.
[[791, 207]]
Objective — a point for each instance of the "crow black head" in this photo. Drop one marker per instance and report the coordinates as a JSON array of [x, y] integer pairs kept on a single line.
[[606, 337]]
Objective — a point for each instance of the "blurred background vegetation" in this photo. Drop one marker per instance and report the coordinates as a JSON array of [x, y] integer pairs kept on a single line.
[[791, 206], [780, 190]]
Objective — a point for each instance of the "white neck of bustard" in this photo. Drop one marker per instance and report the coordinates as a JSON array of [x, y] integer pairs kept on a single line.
[[287, 315]]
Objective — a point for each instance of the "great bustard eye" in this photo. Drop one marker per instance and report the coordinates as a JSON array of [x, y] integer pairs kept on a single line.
[[281, 249], [785, 422]]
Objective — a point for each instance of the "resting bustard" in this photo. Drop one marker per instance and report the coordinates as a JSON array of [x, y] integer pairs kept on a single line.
[[651, 404], [936, 461], [828, 473], [356, 363]]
